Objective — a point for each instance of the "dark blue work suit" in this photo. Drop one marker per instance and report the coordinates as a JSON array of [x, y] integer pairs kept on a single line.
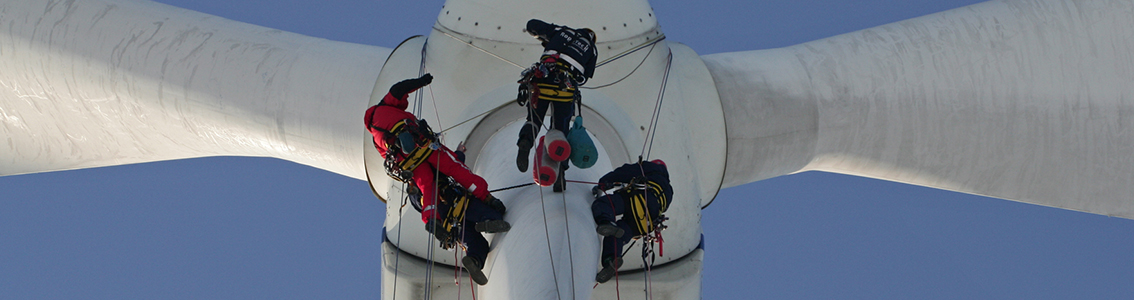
[[655, 193], [573, 53], [569, 61], [476, 212]]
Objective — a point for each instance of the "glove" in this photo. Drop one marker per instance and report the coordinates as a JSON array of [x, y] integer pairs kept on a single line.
[[523, 95], [578, 79], [414, 193], [597, 191], [438, 230], [407, 86], [496, 205]]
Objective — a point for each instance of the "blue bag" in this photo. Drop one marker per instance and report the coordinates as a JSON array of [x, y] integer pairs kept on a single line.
[[583, 152]]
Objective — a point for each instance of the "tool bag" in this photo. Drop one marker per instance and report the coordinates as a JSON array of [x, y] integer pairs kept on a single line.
[[583, 151]]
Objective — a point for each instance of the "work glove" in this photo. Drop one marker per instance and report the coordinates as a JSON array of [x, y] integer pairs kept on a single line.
[[496, 205], [438, 230], [414, 193], [523, 95], [407, 86], [423, 126], [597, 191]]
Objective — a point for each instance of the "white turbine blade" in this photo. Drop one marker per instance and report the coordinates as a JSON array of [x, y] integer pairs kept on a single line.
[[97, 83], [1023, 100]]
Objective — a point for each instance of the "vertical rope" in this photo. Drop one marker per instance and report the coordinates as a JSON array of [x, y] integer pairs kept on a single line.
[[436, 179], [657, 110], [570, 253], [547, 237], [398, 254]]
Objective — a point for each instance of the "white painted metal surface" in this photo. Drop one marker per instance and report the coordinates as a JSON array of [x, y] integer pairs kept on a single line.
[[532, 261], [475, 68], [98, 83], [1022, 100]]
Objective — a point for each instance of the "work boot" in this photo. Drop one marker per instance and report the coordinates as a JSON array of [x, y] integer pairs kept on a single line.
[[610, 266], [493, 226], [474, 265], [560, 183], [525, 146], [610, 229], [496, 204]]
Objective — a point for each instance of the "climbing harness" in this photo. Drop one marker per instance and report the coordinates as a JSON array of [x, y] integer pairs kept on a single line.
[[550, 79]]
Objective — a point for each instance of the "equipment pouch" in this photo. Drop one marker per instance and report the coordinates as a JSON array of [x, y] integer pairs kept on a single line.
[[583, 151]]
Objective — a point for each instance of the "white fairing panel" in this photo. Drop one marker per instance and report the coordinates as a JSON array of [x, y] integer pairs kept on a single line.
[[96, 83], [1023, 100]]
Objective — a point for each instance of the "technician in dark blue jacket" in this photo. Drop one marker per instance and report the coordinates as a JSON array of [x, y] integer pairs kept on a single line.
[[643, 194], [567, 62]]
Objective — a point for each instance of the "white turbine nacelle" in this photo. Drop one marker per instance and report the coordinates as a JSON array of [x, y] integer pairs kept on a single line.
[[475, 53]]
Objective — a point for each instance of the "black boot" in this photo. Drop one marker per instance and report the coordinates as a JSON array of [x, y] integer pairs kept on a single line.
[[610, 266], [560, 183], [525, 145], [474, 265], [610, 229], [493, 226], [496, 204]]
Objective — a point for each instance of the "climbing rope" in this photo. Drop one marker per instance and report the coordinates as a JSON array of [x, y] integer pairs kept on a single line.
[[657, 110], [547, 237], [446, 32], [632, 50], [466, 121], [652, 46], [418, 108], [570, 253], [512, 187], [458, 254], [398, 254]]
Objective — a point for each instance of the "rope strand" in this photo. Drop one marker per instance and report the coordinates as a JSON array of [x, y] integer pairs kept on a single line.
[[657, 110], [470, 44], [652, 46], [570, 253], [547, 237]]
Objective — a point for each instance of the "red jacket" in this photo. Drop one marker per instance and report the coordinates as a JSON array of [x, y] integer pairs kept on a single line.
[[381, 118], [384, 116]]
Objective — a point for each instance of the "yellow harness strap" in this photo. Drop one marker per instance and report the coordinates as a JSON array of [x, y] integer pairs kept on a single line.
[[641, 212], [657, 190], [417, 156], [551, 92], [456, 213]]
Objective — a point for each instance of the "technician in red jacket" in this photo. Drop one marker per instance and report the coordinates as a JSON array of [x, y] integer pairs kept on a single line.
[[413, 152]]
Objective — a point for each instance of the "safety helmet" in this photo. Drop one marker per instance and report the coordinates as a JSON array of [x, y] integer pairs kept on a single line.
[[590, 33], [658, 161]]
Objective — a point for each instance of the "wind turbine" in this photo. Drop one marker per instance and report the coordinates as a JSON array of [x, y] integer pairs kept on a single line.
[[806, 106]]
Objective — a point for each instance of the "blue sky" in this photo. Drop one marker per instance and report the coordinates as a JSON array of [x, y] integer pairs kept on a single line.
[[224, 228]]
